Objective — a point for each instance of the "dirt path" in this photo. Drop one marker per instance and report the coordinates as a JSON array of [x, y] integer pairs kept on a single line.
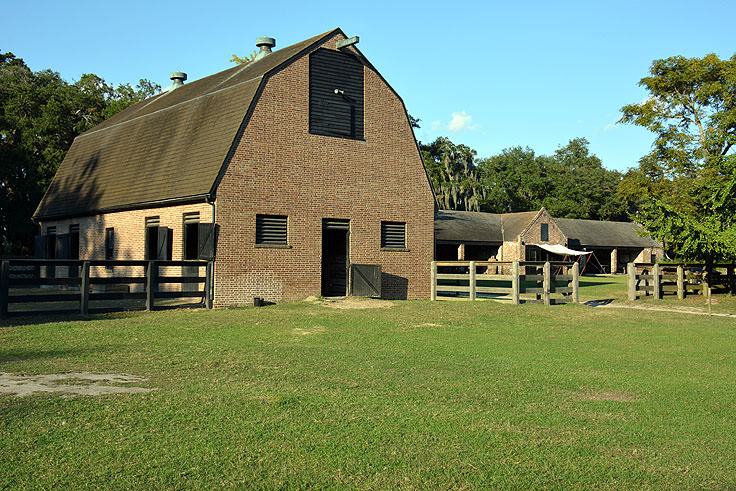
[[82, 383], [679, 310]]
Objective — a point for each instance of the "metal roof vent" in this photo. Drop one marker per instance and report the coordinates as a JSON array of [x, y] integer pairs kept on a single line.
[[177, 79], [265, 43]]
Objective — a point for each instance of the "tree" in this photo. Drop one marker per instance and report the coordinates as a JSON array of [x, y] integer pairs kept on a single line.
[[245, 59], [686, 186], [515, 180], [581, 187], [453, 174], [40, 115]]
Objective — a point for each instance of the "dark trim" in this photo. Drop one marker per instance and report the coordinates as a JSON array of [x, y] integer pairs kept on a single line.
[[337, 136], [136, 206], [468, 242]]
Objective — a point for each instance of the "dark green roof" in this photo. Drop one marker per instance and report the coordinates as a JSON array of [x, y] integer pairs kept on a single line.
[[593, 233], [168, 148]]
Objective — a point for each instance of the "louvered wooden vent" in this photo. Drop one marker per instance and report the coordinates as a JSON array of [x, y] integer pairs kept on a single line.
[[271, 229], [393, 235]]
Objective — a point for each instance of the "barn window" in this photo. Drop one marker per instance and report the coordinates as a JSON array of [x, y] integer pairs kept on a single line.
[[158, 240], [109, 244], [191, 236], [545, 232], [335, 94], [271, 230], [393, 235]]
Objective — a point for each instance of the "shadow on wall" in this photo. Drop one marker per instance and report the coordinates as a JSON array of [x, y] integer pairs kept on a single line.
[[394, 287]]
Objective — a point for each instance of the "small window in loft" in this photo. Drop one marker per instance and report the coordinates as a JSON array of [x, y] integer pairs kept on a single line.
[[271, 230], [545, 232], [393, 235]]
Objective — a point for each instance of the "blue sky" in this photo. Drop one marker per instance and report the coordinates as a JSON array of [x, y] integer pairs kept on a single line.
[[490, 75]]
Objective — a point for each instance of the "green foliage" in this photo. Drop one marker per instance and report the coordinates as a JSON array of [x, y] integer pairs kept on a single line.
[[570, 184], [245, 59], [40, 115], [686, 186], [454, 175]]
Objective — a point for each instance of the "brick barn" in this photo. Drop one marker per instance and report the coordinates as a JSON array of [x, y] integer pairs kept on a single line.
[[463, 235], [285, 170]]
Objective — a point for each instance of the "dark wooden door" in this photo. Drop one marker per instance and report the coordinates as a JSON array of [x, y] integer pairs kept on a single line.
[[335, 257]]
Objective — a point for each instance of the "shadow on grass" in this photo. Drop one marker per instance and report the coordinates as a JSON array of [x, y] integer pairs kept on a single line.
[[29, 354], [598, 303]]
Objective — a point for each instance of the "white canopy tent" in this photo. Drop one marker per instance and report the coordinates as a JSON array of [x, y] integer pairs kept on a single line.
[[561, 250]]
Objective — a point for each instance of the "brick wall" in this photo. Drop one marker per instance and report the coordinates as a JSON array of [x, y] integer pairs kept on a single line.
[[280, 168], [129, 242]]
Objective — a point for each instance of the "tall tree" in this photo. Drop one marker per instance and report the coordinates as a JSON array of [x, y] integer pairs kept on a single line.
[[40, 115], [454, 175], [686, 185], [515, 180], [580, 187]]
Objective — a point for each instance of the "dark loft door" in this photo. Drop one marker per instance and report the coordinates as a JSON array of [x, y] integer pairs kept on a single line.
[[335, 254]]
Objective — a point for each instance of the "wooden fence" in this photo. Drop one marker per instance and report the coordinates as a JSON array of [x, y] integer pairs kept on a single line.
[[27, 286], [679, 279], [506, 281]]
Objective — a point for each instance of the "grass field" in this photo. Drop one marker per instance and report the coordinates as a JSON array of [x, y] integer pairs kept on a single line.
[[411, 394]]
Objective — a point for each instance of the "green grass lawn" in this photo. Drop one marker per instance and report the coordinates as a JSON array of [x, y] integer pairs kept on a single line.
[[420, 395]]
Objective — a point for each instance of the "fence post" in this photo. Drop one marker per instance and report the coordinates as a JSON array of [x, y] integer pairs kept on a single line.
[[631, 271], [547, 282], [576, 282], [151, 273], [729, 279], [680, 282], [84, 289], [4, 288], [657, 282], [433, 296], [471, 283], [208, 284], [515, 283]]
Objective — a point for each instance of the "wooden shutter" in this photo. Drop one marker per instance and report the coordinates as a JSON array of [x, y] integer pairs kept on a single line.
[[334, 113], [164, 244], [393, 235], [365, 280], [206, 246], [62, 246], [39, 247], [271, 229]]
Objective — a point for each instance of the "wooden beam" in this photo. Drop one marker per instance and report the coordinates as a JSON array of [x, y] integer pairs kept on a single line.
[[547, 282], [576, 282], [472, 280], [631, 271], [680, 282], [657, 282], [515, 283], [433, 295], [84, 289]]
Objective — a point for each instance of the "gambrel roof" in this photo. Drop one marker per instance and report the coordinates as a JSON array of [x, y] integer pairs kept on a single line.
[[167, 149]]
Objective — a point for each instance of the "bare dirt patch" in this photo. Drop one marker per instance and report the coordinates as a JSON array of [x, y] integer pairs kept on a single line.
[[81, 383], [357, 303], [305, 331], [606, 396]]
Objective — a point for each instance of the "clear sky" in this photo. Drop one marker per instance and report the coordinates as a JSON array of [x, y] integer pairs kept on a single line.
[[490, 75]]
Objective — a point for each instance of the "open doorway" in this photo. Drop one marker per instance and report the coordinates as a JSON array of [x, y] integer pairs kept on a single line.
[[335, 257]]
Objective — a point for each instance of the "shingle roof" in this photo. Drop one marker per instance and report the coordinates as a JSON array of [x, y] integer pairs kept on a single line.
[[467, 226], [593, 233], [169, 147], [515, 223]]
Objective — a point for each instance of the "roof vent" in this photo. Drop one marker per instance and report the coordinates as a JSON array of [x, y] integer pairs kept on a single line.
[[177, 79], [265, 43]]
